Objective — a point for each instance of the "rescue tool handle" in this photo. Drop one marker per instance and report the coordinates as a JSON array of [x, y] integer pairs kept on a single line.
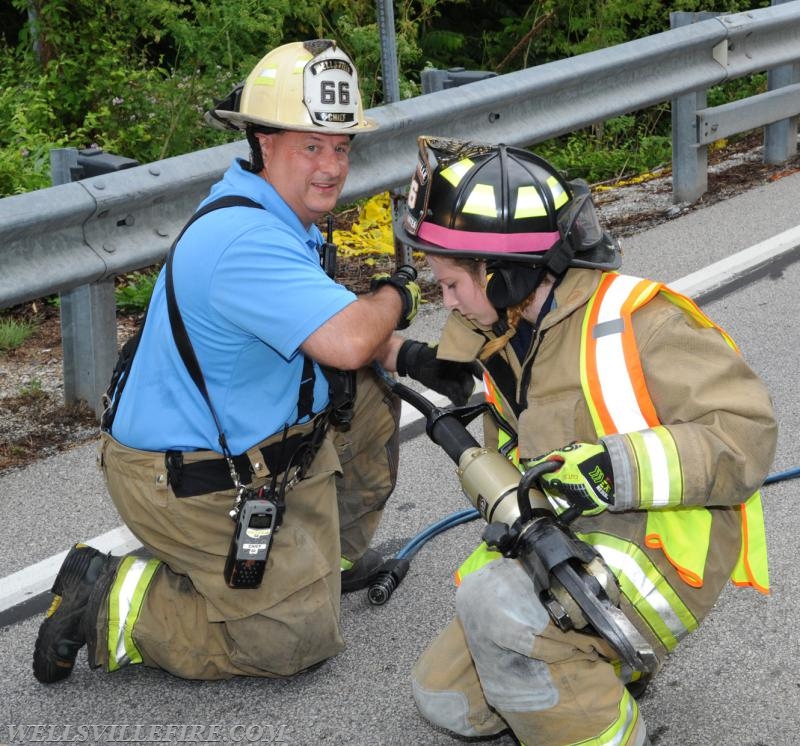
[[445, 427], [530, 480]]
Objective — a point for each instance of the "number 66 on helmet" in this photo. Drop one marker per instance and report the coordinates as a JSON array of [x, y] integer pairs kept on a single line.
[[301, 86]]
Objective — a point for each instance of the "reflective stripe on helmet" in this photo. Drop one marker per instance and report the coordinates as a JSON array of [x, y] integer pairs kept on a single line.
[[481, 201], [560, 195], [488, 244], [457, 171], [529, 203]]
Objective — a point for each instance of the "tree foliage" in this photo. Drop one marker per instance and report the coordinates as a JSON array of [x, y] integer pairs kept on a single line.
[[135, 77]]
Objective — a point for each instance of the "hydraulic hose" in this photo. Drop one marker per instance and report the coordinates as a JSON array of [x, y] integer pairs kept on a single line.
[[780, 476], [395, 569]]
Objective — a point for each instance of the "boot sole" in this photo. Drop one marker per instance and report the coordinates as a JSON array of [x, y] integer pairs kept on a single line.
[[75, 565]]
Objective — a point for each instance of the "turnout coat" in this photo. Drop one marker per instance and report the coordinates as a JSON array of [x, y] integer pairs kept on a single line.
[[687, 514]]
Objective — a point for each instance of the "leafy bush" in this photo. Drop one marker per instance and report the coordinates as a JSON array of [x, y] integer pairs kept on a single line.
[[135, 78], [620, 146], [133, 292]]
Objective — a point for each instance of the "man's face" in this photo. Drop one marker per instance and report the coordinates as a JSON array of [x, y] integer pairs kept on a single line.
[[307, 169]]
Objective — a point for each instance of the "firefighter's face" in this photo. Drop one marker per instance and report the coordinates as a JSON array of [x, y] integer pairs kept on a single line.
[[307, 169], [463, 285]]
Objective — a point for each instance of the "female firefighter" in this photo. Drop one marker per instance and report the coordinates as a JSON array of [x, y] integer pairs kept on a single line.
[[660, 433]]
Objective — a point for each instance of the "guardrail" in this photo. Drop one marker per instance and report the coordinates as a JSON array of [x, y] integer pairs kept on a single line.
[[75, 238]]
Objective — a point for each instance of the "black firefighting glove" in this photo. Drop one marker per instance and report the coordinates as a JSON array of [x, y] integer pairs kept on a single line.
[[454, 380], [403, 280], [584, 479]]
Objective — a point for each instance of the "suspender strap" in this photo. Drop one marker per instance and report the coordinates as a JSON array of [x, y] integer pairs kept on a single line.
[[179, 333], [119, 377], [305, 402]]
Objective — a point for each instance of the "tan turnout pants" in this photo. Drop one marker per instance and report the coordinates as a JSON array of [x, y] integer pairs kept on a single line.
[[191, 623], [502, 663]]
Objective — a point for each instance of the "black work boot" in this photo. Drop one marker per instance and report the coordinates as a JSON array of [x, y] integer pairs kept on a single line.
[[63, 631], [362, 573]]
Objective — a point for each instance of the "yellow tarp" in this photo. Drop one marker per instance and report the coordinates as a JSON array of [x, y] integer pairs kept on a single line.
[[371, 233]]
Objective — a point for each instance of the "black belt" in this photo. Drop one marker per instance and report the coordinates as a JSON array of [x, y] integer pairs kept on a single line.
[[214, 475]]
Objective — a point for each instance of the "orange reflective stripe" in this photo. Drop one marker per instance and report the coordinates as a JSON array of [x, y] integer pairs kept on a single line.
[[490, 392], [616, 391], [655, 540], [596, 401], [643, 292], [619, 402]]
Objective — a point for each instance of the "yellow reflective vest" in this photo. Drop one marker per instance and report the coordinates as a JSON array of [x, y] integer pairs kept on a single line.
[[616, 392]]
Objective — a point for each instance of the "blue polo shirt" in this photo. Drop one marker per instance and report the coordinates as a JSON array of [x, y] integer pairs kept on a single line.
[[250, 289]]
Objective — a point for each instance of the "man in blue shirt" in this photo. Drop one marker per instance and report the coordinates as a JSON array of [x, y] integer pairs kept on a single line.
[[250, 397]]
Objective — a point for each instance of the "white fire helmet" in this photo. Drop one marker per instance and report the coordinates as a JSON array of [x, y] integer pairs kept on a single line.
[[304, 86]]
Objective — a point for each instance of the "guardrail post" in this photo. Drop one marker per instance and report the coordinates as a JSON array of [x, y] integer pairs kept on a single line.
[[88, 318], [780, 138], [689, 160], [388, 37]]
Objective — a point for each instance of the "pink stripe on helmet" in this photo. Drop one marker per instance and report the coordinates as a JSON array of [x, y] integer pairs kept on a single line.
[[486, 243]]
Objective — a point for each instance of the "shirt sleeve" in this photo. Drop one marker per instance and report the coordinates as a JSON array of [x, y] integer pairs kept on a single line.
[[281, 300]]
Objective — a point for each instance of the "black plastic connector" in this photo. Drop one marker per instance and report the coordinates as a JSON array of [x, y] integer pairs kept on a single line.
[[389, 577]]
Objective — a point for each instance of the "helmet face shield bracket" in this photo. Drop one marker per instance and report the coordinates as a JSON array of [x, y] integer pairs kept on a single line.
[[229, 103], [434, 153]]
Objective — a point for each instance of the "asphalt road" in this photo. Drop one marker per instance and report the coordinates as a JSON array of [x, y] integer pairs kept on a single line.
[[734, 682]]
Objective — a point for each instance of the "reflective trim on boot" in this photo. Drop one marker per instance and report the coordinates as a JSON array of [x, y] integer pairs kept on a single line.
[[125, 602]]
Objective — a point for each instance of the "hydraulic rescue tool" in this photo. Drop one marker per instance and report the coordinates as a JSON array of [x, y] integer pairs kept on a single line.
[[569, 576]]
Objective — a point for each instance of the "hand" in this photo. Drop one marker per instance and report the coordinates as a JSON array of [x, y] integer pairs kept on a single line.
[[584, 480], [454, 380], [403, 280]]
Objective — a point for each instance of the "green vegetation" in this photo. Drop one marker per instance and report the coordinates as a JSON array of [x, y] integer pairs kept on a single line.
[[14, 332], [134, 290], [135, 77], [32, 389]]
